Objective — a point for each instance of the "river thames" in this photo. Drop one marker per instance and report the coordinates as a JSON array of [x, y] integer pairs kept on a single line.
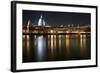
[[43, 48]]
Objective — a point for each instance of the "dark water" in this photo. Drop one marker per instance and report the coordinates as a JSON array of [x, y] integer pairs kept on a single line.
[[39, 48]]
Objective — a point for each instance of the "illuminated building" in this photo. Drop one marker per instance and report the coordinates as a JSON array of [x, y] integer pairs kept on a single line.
[[43, 28]]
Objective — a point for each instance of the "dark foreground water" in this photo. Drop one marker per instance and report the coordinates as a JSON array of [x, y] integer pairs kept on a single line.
[[39, 48]]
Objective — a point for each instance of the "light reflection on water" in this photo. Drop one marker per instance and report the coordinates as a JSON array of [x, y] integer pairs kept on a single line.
[[37, 48], [41, 46], [68, 45]]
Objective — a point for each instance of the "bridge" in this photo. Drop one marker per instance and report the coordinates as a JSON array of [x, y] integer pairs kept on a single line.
[[42, 29], [45, 30]]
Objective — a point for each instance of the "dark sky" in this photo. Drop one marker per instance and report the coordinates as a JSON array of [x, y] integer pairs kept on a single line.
[[56, 18]]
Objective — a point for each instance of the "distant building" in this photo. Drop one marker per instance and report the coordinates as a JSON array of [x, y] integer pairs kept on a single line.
[[29, 24], [41, 21]]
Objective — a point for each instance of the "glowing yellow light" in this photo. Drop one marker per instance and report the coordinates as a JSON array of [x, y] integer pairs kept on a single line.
[[51, 31], [54, 41], [59, 41], [67, 41]]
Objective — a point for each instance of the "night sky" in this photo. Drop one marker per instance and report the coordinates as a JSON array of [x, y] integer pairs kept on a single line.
[[56, 18]]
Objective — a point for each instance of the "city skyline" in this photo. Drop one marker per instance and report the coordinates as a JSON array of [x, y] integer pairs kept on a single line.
[[56, 18], [43, 41]]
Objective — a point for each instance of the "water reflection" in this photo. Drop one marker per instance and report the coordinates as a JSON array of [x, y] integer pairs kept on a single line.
[[41, 46], [26, 44], [83, 46], [67, 45], [37, 48]]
